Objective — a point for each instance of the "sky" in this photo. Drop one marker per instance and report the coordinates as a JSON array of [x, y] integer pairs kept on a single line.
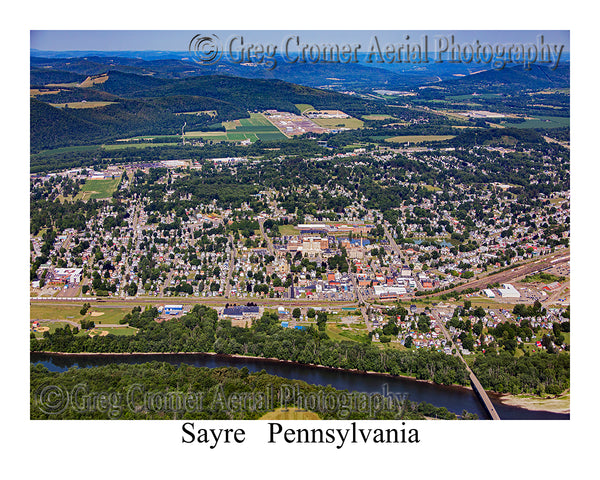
[[178, 40]]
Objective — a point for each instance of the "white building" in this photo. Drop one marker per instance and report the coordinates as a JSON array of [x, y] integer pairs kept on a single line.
[[509, 291]]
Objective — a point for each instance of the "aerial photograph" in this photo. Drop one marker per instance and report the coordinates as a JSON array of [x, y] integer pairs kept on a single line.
[[299, 225]]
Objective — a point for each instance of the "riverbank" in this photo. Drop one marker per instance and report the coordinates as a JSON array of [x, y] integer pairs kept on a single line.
[[252, 357], [559, 404]]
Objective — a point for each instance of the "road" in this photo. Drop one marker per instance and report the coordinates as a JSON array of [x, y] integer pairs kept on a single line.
[[231, 265], [363, 308], [261, 222], [395, 248]]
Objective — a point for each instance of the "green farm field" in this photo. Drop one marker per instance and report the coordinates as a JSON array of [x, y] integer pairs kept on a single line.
[[257, 127], [541, 122], [339, 122]]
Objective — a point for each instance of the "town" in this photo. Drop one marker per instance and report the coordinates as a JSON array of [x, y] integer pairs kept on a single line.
[[145, 231]]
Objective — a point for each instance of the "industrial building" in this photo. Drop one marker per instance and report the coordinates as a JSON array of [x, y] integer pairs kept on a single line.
[[509, 291]]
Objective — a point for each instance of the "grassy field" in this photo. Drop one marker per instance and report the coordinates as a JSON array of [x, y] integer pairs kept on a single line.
[[340, 332], [288, 230], [419, 138], [94, 80], [81, 104], [77, 148], [377, 116], [541, 122], [542, 278], [71, 312], [122, 331], [98, 189], [304, 107], [290, 414], [339, 122], [125, 331]]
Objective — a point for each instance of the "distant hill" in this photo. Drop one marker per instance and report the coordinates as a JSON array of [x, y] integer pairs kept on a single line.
[[247, 94], [45, 76], [336, 76], [58, 127], [507, 80], [147, 105]]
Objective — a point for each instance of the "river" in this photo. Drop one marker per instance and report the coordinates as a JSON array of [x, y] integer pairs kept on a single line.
[[454, 398]]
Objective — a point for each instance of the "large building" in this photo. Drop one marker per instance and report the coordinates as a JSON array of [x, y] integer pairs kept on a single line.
[[242, 315], [62, 276], [173, 309], [509, 291]]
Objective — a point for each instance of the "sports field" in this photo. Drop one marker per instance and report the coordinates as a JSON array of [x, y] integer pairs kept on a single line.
[[108, 316], [98, 189], [257, 127]]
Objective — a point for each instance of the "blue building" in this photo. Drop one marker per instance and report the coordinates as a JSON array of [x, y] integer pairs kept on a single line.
[[173, 309]]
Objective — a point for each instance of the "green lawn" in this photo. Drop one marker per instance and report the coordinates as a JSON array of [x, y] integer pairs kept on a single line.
[[341, 333], [288, 230]]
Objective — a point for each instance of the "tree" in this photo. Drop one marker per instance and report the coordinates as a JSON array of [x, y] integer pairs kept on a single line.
[[408, 342], [132, 289], [322, 321], [311, 313], [296, 313]]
